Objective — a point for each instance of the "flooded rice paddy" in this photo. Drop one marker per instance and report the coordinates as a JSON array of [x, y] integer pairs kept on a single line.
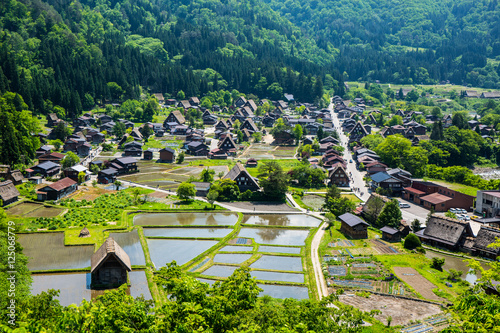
[[74, 287], [280, 249], [277, 276], [220, 271], [290, 220], [278, 263], [131, 244], [275, 236], [187, 232], [235, 248], [231, 258], [46, 251], [276, 291], [457, 263], [173, 219], [164, 251]]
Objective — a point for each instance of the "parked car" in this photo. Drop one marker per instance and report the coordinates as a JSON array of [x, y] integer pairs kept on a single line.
[[404, 205], [453, 210], [463, 211]]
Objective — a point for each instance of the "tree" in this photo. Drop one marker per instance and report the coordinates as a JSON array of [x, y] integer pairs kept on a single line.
[[237, 124], [298, 132], [395, 120], [212, 197], [70, 159], [61, 131], [459, 119], [371, 141], [390, 215], [180, 158], [119, 129], [392, 149], [186, 191], [373, 207], [117, 184], [150, 110], [81, 177], [207, 175], [115, 90], [437, 263], [416, 225], [336, 204], [239, 135], [437, 131], [257, 137], [273, 180], [436, 112], [412, 242], [415, 161], [146, 131], [412, 96], [57, 144], [181, 95]]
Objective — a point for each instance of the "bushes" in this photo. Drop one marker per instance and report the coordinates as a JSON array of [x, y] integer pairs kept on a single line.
[[412, 242]]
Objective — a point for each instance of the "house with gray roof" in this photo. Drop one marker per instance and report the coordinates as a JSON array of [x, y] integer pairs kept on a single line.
[[353, 226], [109, 265]]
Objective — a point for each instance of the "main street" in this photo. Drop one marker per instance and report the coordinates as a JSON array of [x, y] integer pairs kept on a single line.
[[357, 183]]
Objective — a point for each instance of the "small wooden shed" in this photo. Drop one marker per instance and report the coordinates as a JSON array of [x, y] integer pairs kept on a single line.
[[109, 266], [390, 234]]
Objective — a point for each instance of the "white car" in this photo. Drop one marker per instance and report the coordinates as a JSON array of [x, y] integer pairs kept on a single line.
[[404, 205], [453, 210], [463, 211]]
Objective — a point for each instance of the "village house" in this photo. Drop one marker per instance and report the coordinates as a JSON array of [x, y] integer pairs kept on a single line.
[[109, 266], [124, 165], [132, 151], [228, 146], [51, 157], [174, 117], [386, 181], [490, 95], [184, 104], [8, 174], [45, 169], [251, 163], [375, 167], [57, 190], [148, 154], [197, 148], [202, 188], [249, 125], [179, 130], [390, 234], [42, 151], [353, 226], [74, 171], [159, 97], [488, 203], [8, 192], [240, 102], [484, 238], [107, 176], [52, 120], [444, 232], [243, 179], [338, 176]]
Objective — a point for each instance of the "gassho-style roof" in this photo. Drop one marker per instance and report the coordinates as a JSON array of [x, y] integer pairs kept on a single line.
[[8, 190], [351, 220], [485, 237], [109, 248], [444, 230], [237, 170]]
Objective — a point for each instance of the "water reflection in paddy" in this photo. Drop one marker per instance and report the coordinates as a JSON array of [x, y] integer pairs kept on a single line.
[[279, 263], [276, 291], [231, 258], [234, 248], [275, 236], [279, 249], [278, 276], [164, 251], [292, 220], [74, 287], [220, 271], [131, 244], [187, 232], [47, 251], [172, 219], [456, 263]]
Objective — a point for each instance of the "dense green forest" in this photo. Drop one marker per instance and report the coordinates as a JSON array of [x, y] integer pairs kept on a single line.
[[76, 53]]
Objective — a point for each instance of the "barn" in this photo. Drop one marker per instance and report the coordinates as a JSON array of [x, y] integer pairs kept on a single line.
[[109, 266]]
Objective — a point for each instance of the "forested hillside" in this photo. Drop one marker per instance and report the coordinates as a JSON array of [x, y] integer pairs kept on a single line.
[[76, 53]]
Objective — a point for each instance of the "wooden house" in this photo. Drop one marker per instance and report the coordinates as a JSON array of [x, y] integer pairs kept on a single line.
[[107, 176], [74, 171], [240, 102], [197, 148], [133, 151], [124, 165], [52, 120], [490, 95], [390, 234], [148, 154], [45, 169], [242, 178], [167, 155], [184, 104], [8, 174], [484, 238], [251, 104], [109, 266], [353, 226], [251, 163], [249, 125], [202, 188], [43, 150], [386, 181], [338, 176], [8, 192], [444, 232], [175, 117], [57, 190], [375, 167], [227, 145], [159, 97]]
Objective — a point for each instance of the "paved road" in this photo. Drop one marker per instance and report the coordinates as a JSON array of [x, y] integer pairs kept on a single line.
[[358, 184]]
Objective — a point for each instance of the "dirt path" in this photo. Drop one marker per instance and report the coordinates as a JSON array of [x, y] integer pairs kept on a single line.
[[418, 282]]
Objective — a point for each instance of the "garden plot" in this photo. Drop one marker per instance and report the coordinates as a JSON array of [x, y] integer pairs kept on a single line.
[[284, 152], [289, 220], [402, 311], [278, 263], [164, 251], [22, 208], [172, 219], [275, 236], [356, 284], [382, 247], [187, 232], [48, 252], [44, 212], [314, 201], [131, 244], [145, 177], [418, 282], [337, 270], [341, 243]]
